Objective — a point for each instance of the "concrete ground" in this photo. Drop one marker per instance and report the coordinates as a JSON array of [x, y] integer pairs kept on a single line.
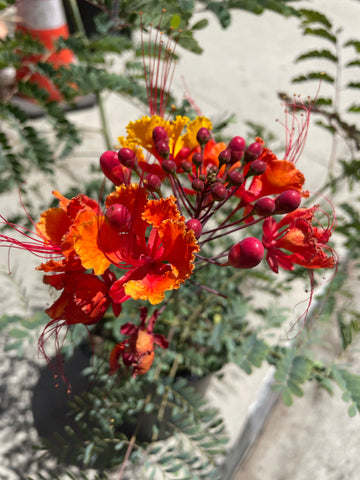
[[241, 71]]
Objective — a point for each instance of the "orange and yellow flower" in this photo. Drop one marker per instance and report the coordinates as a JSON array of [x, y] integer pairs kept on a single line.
[[279, 176], [155, 250], [295, 240], [137, 351], [181, 134]]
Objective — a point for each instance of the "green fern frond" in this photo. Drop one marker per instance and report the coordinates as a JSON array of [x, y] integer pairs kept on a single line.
[[318, 54], [353, 43], [252, 353], [325, 77], [350, 384], [291, 371], [353, 85], [353, 63], [312, 16], [354, 108], [320, 32]]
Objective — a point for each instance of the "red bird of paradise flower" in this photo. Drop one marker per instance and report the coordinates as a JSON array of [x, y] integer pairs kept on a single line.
[[151, 244], [137, 351], [296, 234]]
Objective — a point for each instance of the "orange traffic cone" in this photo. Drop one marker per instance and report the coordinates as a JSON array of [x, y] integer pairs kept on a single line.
[[45, 21]]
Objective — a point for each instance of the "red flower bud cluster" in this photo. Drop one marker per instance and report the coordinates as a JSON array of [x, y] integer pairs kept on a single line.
[[176, 191]]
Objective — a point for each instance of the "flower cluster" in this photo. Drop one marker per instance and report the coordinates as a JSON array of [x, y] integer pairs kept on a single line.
[[175, 193], [171, 183]]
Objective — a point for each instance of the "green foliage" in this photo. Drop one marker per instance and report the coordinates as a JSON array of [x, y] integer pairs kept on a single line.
[[324, 53], [125, 419], [311, 17], [67, 475], [349, 224], [318, 25], [350, 384], [21, 330], [331, 112], [6, 3], [222, 9], [33, 150], [252, 352], [108, 413], [291, 371], [324, 77]]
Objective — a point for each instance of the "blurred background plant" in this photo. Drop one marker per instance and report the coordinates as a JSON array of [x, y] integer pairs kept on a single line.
[[158, 425]]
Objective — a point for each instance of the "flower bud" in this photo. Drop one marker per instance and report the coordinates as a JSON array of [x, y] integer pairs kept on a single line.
[[224, 156], [257, 167], [118, 217], [198, 185], [218, 192], [197, 159], [152, 182], [111, 167], [186, 166], [203, 136], [169, 166], [162, 148], [287, 201], [236, 156], [237, 144], [127, 157], [159, 133], [236, 147], [236, 178], [264, 206], [252, 152], [246, 254], [196, 226]]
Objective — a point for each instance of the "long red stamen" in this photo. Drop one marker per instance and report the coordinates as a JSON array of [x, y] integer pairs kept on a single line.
[[159, 70], [35, 244], [296, 130]]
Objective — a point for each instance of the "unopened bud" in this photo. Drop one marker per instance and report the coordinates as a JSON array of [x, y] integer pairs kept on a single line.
[[186, 166], [197, 159], [264, 206], [203, 136], [127, 157], [219, 192], [246, 254], [287, 201], [236, 156], [169, 166], [198, 185], [118, 217], [159, 133], [237, 144], [236, 178], [196, 226], [252, 152], [257, 167], [163, 149], [225, 156], [152, 182], [236, 147], [111, 167]]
